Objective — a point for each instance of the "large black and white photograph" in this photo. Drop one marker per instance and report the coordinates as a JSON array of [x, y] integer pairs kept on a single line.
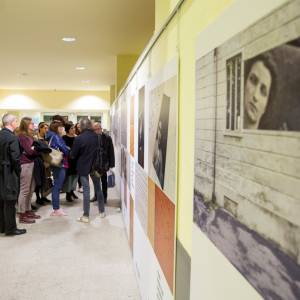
[[247, 184], [272, 89], [141, 127], [162, 130]]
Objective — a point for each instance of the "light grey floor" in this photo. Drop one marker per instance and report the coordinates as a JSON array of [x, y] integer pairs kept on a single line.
[[60, 258]]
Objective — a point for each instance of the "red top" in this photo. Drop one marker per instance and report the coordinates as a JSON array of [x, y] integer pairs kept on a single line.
[[28, 155]]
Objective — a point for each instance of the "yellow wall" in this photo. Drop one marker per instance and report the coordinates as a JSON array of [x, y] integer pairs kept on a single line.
[[124, 66], [43, 100], [112, 90], [180, 39], [163, 8]]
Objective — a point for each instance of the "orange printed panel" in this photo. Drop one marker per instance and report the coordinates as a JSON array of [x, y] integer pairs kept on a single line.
[[165, 234], [131, 223], [151, 210], [132, 126]]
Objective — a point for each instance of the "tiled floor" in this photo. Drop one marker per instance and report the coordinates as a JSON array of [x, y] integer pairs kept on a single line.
[[60, 258]]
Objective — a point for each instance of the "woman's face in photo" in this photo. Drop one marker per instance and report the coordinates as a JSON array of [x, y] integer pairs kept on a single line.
[[257, 91]]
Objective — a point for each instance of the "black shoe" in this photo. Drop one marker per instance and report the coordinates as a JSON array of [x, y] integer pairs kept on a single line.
[[46, 200], [69, 197], [74, 195], [40, 202], [93, 199], [2, 231], [16, 232], [34, 208]]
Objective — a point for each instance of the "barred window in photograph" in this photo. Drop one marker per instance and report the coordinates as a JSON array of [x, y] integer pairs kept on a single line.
[[233, 96]]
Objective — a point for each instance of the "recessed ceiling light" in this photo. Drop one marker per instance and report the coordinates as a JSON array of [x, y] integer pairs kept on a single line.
[[69, 39], [80, 68], [22, 74]]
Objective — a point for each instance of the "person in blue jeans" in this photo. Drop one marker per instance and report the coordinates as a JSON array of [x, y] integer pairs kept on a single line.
[[56, 141], [84, 153], [98, 193]]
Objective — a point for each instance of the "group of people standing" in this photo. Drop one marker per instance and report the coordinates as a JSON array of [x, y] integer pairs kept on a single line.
[[25, 167]]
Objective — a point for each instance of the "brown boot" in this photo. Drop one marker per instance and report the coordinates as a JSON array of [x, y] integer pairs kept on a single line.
[[23, 218], [32, 215]]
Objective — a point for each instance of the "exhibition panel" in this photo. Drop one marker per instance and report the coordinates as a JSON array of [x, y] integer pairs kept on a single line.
[[246, 188], [149, 195], [207, 131]]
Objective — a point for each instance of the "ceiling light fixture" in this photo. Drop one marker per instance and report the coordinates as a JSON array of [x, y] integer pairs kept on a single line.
[[22, 74], [80, 68], [69, 39]]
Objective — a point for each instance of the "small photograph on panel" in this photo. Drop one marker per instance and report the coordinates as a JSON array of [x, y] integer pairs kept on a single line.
[[141, 127], [124, 122], [160, 145], [272, 89], [124, 164], [116, 123]]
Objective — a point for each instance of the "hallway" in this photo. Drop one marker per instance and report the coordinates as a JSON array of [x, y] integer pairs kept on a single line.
[[60, 258]]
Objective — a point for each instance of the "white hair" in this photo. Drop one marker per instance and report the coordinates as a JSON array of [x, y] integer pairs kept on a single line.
[[8, 119]]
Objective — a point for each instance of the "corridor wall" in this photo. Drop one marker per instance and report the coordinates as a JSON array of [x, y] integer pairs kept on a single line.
[[199, 270], [34, 102]]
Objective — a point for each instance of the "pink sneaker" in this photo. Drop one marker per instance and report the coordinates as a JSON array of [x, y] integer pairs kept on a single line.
[[58, 213]]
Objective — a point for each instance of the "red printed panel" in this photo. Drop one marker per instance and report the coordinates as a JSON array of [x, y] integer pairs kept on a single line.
[[165, 234]]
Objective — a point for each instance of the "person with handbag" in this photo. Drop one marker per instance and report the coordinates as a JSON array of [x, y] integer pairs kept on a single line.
[[59, 163], [27, 182], [10, 171]]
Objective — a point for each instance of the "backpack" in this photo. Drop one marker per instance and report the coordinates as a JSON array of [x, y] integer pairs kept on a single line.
[[101, 164]]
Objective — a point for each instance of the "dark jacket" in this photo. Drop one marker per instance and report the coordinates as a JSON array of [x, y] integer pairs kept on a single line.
[[28, 154], [84, 151], [109, 153], [10, 168], [72, 164]]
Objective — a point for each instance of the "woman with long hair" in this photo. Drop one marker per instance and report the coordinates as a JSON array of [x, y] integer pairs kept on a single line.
[[39, 190], [27, 183], [56, 141], [71, 176]]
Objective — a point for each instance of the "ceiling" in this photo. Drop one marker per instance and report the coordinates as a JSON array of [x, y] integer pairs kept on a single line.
[[33, 56]]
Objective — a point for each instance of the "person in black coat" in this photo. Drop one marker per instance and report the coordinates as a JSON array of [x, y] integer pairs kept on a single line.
[[10, 171], [84, 153], [108, 156]]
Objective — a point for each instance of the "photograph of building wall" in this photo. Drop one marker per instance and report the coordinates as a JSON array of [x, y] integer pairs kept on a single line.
[[247, 158]]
